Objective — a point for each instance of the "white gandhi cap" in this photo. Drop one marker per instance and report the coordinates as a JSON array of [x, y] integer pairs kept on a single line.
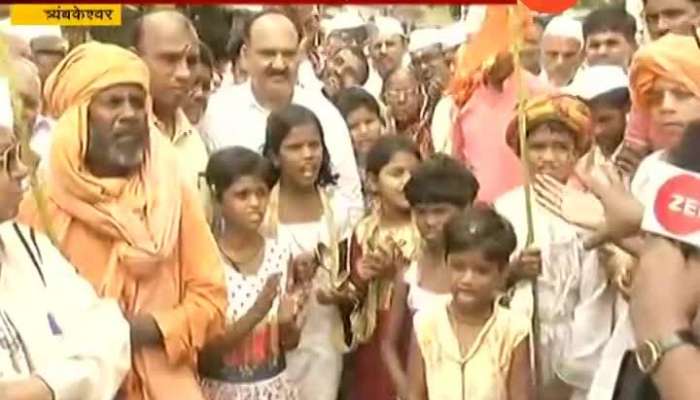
[[594, 81]]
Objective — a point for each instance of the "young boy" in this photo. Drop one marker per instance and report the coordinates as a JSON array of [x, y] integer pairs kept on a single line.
[[576, 302], [605, 90], [473, 348], [439, 188], [363, 116]]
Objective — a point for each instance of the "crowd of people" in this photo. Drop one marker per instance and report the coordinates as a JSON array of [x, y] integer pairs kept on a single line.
[[349, 208]]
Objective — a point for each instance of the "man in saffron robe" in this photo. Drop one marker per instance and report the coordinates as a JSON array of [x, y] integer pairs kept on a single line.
[[119, 211]]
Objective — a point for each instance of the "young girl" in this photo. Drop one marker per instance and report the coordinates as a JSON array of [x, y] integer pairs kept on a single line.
[[363, 117], [248, 361], [438, 189], [305, 212], [472, 348], [381, 242]]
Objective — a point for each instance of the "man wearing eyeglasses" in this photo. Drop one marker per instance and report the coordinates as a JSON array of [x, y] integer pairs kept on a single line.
[[58, 341]]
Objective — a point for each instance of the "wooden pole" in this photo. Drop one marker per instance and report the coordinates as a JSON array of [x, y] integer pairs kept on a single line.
[[522, 96]]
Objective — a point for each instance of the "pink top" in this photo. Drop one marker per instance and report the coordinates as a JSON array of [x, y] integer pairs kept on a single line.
[[641, 132], [481, 130]]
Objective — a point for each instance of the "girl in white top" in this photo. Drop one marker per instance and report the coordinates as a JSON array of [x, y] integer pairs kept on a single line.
[[426, 282], [305, 212]]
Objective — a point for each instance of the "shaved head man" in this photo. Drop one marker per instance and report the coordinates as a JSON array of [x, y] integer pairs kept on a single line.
[[26, 85], [167, 42]]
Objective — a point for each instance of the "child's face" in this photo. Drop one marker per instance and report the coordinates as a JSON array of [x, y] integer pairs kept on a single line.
[[392, 179], [301, 155], [245, 201], [609, 125], [475, 281], [552, 152], [365, 128], [431, 218]]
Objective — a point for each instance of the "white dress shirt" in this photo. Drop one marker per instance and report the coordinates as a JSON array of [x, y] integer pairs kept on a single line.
[[235, 118], [53, 325]]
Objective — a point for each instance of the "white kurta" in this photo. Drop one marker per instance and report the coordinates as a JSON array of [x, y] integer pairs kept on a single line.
[[53, 323], [576, 303], [315, 366]]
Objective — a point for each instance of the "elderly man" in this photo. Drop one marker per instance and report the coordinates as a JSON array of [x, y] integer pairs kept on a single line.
[[237, 116], [59, 340], [27, 88], [562, 50], [428, 60], [167, 42], [121, 212], [388, 51]]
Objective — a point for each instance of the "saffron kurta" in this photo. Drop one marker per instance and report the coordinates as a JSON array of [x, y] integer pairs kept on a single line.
[[141, 239]]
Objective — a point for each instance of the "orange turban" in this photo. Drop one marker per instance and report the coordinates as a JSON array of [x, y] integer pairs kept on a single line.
[[106, 204], [569, 110], [88, 69], [672, 57]]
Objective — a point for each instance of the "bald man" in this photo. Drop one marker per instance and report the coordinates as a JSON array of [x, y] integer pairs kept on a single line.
[[27, 87], [167, 42]]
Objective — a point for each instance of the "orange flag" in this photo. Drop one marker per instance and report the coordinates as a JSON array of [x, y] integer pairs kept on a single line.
[[479, 53]]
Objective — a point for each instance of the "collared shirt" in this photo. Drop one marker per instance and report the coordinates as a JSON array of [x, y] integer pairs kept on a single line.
[[53, 325], [192, 155], [235, 118]]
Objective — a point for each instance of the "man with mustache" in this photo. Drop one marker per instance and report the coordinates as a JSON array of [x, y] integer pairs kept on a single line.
[[120, 211], [167, 42], [237, 115]]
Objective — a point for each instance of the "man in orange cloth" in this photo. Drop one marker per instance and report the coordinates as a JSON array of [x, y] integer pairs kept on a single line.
[[485, 90], [120, 212]]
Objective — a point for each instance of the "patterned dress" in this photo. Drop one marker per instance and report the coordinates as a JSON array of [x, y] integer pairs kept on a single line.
[[254, 369]]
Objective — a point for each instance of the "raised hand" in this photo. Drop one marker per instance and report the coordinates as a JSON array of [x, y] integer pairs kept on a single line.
[[623, 213], [528, 265], [572, 205], [266, 297]]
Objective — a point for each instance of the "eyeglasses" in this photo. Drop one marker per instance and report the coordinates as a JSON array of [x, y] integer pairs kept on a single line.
[[398, 94], [12, 159]]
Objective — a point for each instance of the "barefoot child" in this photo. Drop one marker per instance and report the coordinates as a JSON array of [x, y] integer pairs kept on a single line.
[[248, 361], [472, 348]]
